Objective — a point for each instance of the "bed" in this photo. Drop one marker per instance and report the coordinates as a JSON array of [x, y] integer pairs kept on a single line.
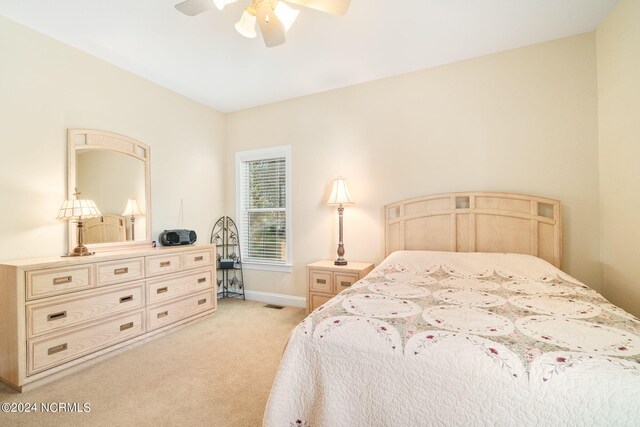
[[468, 321]]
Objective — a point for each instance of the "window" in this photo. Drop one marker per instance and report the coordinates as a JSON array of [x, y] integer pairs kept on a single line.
[[264, 206]]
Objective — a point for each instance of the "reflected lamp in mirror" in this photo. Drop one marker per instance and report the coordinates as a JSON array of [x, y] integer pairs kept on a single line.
[[77, 210], [131, 211], [340, 197]]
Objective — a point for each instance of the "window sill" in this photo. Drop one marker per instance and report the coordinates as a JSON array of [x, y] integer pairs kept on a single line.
[[282, 268]]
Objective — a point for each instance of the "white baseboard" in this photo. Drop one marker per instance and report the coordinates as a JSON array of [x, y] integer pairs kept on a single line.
[[278, 299]]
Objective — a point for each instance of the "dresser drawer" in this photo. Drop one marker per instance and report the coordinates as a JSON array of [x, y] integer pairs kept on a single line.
[[51, 316], [320, 281], [163, 264], [51, 351], [172, 312], [171, 287], [124, 270], [343, 281], [56, 281], [197, 259]]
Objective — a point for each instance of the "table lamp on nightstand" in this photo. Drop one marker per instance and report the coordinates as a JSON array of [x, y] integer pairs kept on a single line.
[[77, 210], [339, 197]]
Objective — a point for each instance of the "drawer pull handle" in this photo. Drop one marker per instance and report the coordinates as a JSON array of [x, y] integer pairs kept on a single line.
[[61, 280], [165, 263], [322, 281], [202, 280], [56, 316], [57, 349], [202, 301], [199, 258], [126, 299], [343, 283], [126, 326], [163, 314], [123, 270], [162, 290]]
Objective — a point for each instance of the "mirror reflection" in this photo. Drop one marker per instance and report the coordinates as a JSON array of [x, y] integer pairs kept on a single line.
[[115, 181]]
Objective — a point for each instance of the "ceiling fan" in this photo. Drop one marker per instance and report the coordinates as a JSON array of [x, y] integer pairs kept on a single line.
[[274, 17]]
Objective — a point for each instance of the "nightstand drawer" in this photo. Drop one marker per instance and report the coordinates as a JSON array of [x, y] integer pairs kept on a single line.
[[127, 270], [44, 283], [343, 281], [162, 264], [317, 300], [320, 281], [51, 316]]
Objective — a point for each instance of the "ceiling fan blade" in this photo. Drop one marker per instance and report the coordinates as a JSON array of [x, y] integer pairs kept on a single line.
[[270, 26], [194, 7], [335, 7]]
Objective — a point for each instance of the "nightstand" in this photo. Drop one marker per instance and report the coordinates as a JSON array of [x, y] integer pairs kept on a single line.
[[325, 279]]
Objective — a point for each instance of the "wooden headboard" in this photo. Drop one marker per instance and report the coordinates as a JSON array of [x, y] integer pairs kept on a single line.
[[476, 222], [107, 228]]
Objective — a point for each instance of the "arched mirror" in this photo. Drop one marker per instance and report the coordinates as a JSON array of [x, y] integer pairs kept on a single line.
[[113, 171]]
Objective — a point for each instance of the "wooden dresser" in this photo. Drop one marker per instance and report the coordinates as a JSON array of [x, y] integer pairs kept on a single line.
[[56, 313]]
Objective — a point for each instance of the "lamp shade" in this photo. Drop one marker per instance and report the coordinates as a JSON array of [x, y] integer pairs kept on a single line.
[[77, 209], [132, 208], [340, 193], [286, 14], [246, 26]]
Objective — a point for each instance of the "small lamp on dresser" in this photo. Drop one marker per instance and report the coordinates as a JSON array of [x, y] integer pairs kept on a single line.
[[131, 211], [77, 210], [340, 197]]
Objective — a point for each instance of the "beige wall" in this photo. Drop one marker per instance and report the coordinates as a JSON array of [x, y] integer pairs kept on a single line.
[[47, 87], [618, 42], [518, 121]]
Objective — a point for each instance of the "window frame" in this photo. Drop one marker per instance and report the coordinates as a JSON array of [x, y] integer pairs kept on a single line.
[[283, 151]]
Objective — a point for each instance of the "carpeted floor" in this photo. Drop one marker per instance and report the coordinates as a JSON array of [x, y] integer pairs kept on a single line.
[[215, 372]]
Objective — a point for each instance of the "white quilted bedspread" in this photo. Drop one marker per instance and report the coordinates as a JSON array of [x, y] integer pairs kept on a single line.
[[473, 339]]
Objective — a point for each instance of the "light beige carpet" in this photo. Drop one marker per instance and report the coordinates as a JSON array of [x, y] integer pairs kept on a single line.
[[215, 372]]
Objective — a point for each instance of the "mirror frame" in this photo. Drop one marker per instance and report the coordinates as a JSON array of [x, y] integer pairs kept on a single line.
[[87, 139]]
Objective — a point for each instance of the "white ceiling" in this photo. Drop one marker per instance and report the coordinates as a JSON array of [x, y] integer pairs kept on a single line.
[[205, 59]]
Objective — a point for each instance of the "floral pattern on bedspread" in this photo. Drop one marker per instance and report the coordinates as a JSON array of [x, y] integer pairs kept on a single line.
[[540, 326]]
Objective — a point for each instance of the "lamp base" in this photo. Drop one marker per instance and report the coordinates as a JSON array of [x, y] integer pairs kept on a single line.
[[340, 261], [79, 250]]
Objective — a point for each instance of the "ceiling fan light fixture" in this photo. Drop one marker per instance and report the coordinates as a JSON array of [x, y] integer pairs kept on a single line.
[[286, 14], [246, 26], [220, 4], [274, 17]]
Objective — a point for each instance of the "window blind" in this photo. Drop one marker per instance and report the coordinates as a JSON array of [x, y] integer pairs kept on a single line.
[[263, 194]]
